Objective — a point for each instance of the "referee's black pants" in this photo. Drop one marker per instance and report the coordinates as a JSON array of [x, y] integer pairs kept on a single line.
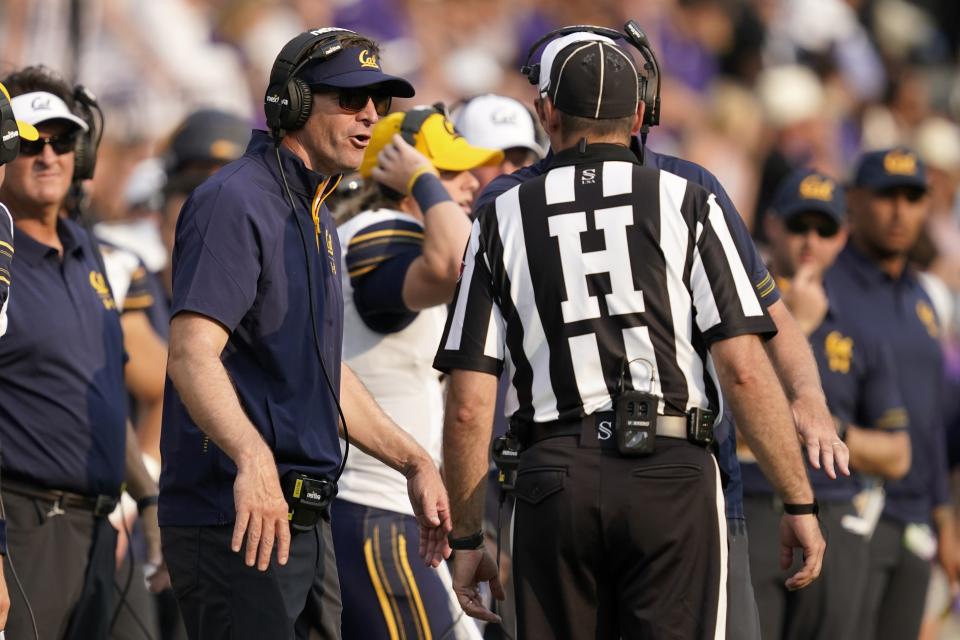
[[614, 547]]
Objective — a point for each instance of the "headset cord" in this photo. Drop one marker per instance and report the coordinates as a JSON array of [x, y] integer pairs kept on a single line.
[[16, 579], [313, 317], [126, 587]]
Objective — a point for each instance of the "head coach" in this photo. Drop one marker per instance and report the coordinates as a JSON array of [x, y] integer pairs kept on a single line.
[[255, 375], [608, 283]]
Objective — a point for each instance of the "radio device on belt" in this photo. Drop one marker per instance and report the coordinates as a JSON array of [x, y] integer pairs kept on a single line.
[[635, 423], [307, 499]]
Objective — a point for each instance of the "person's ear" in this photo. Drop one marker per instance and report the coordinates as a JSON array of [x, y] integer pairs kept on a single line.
[[550, 116], [638, 118]]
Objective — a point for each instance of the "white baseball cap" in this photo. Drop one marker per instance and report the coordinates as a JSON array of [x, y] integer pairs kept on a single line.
[[37, 107], [498, 122], [556, 46]]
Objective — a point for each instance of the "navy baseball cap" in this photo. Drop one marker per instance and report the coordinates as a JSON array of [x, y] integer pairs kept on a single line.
[[808, 191], [890, 168], [351, 68]]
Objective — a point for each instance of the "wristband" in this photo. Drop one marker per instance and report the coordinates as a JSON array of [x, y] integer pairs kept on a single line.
[[467, 543], [428, 191], [810, 508], [422, 169], [147, 501]]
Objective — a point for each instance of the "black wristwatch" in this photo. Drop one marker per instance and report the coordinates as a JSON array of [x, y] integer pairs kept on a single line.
[[466, 543], [147, 501], [810, 508]]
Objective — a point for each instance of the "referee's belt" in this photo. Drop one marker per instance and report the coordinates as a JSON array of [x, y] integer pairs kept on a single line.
[[99, 506], [530, 433]]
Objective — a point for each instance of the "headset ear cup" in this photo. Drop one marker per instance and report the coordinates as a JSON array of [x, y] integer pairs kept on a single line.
[[80, 155], [301, 113]]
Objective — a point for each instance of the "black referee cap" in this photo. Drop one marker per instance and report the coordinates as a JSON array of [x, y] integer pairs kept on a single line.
[[594, 79]]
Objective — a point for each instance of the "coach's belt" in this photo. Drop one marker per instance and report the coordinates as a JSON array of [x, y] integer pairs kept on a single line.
[[530, 433], [101, 505]]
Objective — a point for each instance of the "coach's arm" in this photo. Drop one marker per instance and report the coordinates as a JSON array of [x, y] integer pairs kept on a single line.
[[763, 416]]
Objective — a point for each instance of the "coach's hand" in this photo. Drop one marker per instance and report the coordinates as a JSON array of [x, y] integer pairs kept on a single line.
[[818, 435], [261, 509], [428, 497], [470, 568], [801, 532], [398, 163]]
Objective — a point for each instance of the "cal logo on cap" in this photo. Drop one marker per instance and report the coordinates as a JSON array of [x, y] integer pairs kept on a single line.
[[901, 163], [367, 60], [813, 187]]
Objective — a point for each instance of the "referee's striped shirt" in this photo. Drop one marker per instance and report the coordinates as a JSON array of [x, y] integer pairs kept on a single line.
[[598, 262]]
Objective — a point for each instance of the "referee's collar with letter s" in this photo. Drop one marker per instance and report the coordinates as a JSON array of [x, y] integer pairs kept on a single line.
[[598, 152]]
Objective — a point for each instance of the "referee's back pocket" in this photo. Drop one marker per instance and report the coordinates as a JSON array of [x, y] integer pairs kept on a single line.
[[536, 484]]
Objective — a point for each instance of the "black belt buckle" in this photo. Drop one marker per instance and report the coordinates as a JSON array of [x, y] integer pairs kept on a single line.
[[700, 426], [104, 505], [308, 499]]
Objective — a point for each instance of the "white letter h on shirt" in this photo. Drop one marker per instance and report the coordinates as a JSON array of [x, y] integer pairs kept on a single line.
[[614, 260]]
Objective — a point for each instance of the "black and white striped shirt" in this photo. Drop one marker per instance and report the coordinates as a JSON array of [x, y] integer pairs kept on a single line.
[[598, 262]]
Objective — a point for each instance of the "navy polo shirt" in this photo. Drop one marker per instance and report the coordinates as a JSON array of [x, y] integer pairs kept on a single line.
[[754, 264], [62, 396], [901, 314], [860, 383], [239, 260]]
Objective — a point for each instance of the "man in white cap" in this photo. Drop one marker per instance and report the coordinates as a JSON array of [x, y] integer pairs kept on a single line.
[[63, 416], [501, 123], [11, 132]]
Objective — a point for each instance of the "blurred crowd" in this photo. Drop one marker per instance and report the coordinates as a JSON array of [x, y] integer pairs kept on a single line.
[[752, 89]]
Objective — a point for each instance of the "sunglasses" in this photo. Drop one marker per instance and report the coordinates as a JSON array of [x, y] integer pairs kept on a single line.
[[355, 100], [61, 144], [803, 226], [912, 194]]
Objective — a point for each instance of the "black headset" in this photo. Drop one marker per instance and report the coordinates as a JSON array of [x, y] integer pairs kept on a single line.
[[631, 33], [9, 132], [288, 99], [85, 153]]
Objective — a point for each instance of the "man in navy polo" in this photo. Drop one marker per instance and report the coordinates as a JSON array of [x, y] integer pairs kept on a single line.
[[791, 358], [13, 133], [806, 230], [889, 205], [62, 398], [256, 301]]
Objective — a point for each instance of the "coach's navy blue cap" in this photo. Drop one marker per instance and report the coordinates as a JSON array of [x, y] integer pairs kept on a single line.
[[351, 68], [805, 191], [890, 168]]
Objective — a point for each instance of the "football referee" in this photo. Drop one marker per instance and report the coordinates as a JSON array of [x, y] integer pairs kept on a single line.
[[605, 287]]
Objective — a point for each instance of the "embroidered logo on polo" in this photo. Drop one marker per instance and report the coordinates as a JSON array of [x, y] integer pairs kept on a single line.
[[928, 318], [99, 284], [368, 61], [331, 254], [839, 349]]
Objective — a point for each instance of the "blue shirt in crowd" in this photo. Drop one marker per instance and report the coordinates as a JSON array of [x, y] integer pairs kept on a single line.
[[765, 286], [239, 259], [859, 381], [62, 396], [900, 312]]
